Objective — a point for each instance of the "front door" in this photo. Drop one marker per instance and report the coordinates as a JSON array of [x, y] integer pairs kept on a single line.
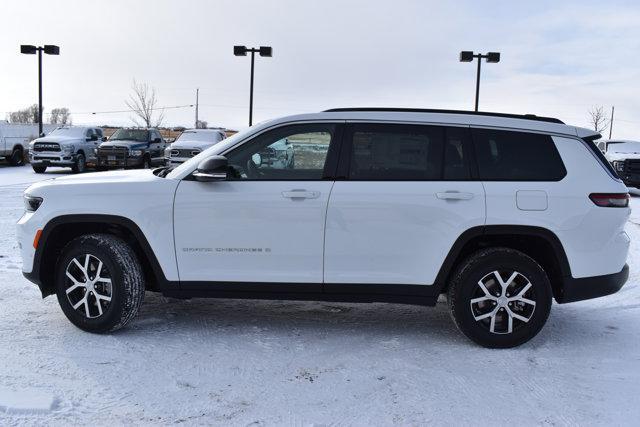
[[266, 222], [407, 197]]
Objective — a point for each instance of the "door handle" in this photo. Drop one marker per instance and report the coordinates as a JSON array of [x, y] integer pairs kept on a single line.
[[301, 194], [454, 195]]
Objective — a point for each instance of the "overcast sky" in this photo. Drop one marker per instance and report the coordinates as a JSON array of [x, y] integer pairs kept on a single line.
[[558, 58]]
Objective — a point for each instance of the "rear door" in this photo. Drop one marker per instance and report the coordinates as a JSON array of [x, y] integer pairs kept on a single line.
[[406, 196]]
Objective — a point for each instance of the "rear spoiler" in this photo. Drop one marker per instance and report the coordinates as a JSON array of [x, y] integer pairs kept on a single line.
[[587, 134]]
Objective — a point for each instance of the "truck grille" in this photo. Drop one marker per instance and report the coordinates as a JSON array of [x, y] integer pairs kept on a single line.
[[632, 166], [119, 151], [46, 146], [186, 152]]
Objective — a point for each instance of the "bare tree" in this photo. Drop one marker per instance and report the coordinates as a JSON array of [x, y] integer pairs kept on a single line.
[[201, 124], [60, 116], [26, 115], [598, 118], [143, 103]]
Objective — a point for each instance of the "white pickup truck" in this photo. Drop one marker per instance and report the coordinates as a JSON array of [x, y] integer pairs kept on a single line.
[[14, 140]]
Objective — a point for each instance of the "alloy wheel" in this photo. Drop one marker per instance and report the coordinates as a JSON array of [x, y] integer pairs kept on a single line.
[[88, 285], [503, 306]]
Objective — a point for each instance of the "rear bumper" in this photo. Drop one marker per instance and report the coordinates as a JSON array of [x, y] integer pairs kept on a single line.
[[592, 287]]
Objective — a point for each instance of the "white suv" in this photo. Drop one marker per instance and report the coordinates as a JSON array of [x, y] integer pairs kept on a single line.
[[190, 143], [500, 212]]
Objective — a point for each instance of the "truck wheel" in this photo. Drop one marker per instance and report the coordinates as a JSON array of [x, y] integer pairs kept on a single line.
[[17, 158], [499, 297], [146, 163], [39, 169], [80, 164], [99, 282]]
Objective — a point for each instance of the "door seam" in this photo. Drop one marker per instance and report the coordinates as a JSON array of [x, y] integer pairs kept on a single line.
[[324, 234]]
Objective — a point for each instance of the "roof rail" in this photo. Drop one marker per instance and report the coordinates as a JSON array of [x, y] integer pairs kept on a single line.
[[429, 110]]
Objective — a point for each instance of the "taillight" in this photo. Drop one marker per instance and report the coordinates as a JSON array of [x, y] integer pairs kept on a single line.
[[610, 200]]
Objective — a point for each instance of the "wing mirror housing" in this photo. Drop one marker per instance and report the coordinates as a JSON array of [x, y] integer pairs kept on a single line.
[[214, 168], [93, 137], [104, 139]]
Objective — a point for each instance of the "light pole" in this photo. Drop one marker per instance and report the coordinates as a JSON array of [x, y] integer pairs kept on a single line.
[[468, 56], [49, 49], [242, 51]]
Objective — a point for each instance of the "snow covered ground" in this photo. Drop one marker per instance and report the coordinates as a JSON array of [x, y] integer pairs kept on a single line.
[[230, 362]]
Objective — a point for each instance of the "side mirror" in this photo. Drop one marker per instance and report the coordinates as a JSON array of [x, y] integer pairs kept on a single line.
[[213, 168], [93, 137], [157, 141], [104, 139]]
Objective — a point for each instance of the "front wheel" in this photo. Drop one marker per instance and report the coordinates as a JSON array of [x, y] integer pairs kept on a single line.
[[99, 282], [500, 297], [80, 164]]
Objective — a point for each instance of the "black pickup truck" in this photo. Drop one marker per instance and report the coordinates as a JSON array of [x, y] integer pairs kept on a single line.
[[132, 148]]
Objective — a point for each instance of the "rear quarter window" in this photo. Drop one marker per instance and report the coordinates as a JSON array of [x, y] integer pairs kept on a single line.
[[516, 156]]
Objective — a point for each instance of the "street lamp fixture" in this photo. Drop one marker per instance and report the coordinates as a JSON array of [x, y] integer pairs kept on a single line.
[[48, 49], [469, 56], [266, 51]]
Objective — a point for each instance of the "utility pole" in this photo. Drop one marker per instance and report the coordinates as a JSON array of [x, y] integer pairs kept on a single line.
[[197, 93], [611, 121]]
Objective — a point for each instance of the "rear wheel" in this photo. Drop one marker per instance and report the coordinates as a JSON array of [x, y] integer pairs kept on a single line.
[[39, 169], [17, 157], [499, 297], [99, 283]]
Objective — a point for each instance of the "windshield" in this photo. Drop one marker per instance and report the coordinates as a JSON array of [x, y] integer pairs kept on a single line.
[[140, 135], [193, 135], [70, 132], [218, 148], [624, 147]]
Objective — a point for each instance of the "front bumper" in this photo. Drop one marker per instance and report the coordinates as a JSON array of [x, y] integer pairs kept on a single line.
[[592, 287], [119, 162], [52, 159]]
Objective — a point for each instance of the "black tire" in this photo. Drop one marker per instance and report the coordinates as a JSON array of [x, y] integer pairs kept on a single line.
[[146, 162], [494, 331], [80, 165], [17, 157], [39, 169], [120, 266]]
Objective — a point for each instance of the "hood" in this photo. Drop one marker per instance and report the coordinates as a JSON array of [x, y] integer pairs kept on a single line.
[[59, 139], [621, 155], [102, 178], [124, 143], [202, 145]]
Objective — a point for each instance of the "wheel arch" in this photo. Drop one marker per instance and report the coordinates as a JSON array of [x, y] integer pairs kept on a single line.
[[62, 229], [539, 243]]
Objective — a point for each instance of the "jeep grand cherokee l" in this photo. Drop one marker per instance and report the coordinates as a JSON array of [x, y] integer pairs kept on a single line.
[[502, 213]]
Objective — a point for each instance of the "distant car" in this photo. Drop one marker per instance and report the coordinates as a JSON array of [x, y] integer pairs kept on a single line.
[[14, 140], [624, 156], [66, 146], [190, 143], [132, 148]]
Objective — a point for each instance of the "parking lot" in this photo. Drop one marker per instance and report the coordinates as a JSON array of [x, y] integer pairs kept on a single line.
[[234, 362]]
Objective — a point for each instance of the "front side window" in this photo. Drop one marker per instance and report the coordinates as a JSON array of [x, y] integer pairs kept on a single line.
[[516, 156], [296, 152]]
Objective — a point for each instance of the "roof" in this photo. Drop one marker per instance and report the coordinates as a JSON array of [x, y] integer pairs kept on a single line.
[[476, 113], [442, 117]]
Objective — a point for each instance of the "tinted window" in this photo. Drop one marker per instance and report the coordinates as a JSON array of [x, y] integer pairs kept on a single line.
[[516, 156], [456, 163], [98, 131], [396, 152], [297, 152]]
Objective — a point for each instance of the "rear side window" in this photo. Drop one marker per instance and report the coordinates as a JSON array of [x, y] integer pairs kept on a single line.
[[396, 152], [516, 156]]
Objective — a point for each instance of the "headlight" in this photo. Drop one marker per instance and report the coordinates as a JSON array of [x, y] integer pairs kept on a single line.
[[95, 151], [68, 148], [167, 152], [619, 166], [31, 203], [135, 153]]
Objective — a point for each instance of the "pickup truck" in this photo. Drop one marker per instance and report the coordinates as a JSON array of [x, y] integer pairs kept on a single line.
[[66, 146]]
